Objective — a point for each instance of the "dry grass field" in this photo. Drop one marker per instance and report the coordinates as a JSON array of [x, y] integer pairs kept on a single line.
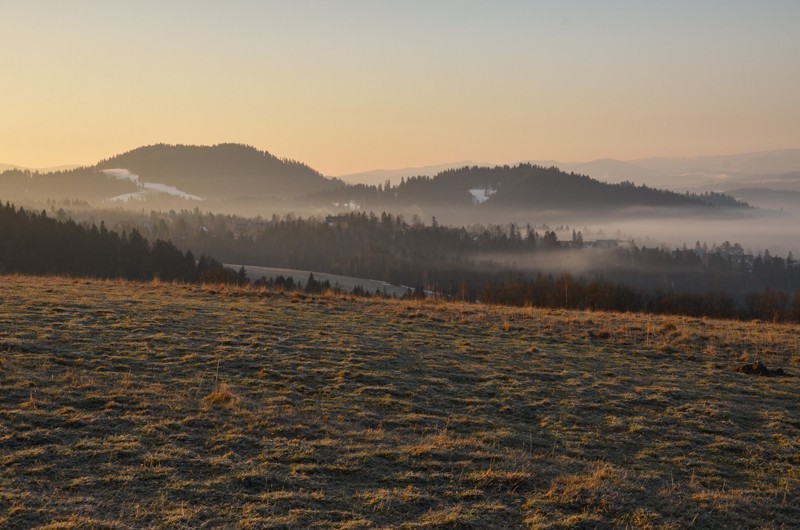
[[150, 405]]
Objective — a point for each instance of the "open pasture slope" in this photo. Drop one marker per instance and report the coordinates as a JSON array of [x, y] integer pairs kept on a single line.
[[138, 405]]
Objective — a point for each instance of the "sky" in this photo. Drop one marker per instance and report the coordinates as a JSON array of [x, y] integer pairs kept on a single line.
[[350, 86]]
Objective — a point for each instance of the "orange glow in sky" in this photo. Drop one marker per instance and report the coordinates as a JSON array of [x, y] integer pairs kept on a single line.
[[356, 85]]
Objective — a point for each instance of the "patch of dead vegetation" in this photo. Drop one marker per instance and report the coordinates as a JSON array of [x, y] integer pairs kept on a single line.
[[160, 405]]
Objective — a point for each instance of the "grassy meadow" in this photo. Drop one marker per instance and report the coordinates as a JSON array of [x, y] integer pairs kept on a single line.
[[157, 405]]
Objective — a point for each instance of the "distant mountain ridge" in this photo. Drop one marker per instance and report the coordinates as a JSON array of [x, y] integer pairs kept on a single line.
[[242, 174], [51, 169], [222, 171], [778, 200], [219, 172], [701, 173], [521, 187], [775, 161], [83, 183], [376, 176]]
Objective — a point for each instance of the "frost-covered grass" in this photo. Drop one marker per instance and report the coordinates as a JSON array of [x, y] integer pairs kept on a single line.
[[131, 405]]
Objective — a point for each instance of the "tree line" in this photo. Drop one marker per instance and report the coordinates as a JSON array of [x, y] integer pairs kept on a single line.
[[455, 262], [390, 248], [33, 243], [568, 292]]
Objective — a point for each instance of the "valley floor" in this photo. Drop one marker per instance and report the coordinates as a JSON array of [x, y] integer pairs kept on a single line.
[[131, 405]]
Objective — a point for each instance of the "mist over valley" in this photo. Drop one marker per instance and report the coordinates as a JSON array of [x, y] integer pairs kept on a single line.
[[456, 234], [362, 264], [622, 201]]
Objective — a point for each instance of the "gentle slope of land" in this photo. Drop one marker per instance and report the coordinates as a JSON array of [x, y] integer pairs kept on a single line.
[[160, 405]]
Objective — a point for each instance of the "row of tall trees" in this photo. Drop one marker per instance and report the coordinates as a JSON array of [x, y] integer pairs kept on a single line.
[[453, 262], [33, 243], [87, 183], [566, 291], [438, 257], [390, 248]]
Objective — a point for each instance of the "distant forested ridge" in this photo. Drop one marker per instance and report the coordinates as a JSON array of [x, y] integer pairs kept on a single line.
[[520, 187], [220, 171], [236, 176], [86, 183], [33, 243]]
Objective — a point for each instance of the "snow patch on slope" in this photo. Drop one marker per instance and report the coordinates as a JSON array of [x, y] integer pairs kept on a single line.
[[480, 195], [147, 188], [125, 197], [169, 190]]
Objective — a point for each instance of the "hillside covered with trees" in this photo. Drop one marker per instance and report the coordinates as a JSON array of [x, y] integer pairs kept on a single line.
[[220, 171], [33, 243], [493, 263], [520, 187], [85, 184], [234, 177], [481, 263]]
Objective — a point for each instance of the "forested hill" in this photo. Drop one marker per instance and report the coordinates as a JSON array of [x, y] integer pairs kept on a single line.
[[220, 171], [233, 171], [524, 186], [84, 183]]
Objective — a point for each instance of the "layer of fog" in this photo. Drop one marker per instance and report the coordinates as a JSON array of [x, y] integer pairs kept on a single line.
[[578, 262], [756, 230], [778, 234]]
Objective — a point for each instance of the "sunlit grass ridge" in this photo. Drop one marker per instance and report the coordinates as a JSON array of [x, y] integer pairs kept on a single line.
[[125, 404]]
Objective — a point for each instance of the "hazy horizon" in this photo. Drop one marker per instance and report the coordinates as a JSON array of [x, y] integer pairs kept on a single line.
[[357, 86], [595, 327], [431, 168]]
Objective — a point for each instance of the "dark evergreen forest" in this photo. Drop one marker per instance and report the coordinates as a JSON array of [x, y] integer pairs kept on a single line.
[[33, 243], [87, 184], [520, 187], [236, 175], [486, 262], [220, 171], [470, 264]]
